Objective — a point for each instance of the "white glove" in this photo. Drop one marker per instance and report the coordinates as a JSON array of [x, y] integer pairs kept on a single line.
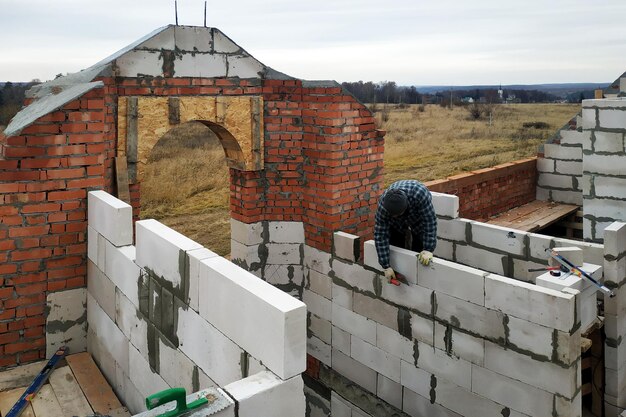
[[389, 274], [425, 257]]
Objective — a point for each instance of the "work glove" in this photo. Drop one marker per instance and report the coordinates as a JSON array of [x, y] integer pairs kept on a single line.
[[425, 257], [389, 274]]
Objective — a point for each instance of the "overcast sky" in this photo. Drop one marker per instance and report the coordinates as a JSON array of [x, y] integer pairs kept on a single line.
[[412, 42]]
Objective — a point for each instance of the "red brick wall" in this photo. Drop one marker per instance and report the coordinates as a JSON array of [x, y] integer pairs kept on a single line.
[[323, 166], [486, 192]]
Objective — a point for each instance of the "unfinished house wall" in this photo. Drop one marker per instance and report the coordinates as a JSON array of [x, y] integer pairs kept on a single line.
[[457, 341], [169, 313], [489, 191], [604, 165]]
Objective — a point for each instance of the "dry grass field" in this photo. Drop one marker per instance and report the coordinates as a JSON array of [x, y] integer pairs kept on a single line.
[[186, 183]]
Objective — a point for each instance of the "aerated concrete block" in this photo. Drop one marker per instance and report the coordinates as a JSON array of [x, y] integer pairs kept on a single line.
[[201, 65], [555, 181], [354, 324], [284, 253], [354, 370], [465, 402], [481, 258], [66, 322], [531, 337], [245, 255], [142, 376], [610, 187], [389, 391], [347, 246], [319, 350], [338, 406], [608, 142], [394, 343], [375, 358], [615, 239], [589, 118], [574, 137], [355, 275], [422, 329], [320, 284], [320, 328], [376, 309], [469, 316], [612, 119], [529, 302], [419, 405], [556, 151], [446, 205], [108, 335], [411, 296], [341, 340], [457, 280], [122, 270], [537, 245], [92, 244], [136, 62], [342, 296], [101, 288], [163, 251], [195, 257], [442, 365], [110, 217], [246, 233], [444, 249], [604, 164], [593, 253], [568, 197], [401, 260], [243, 67], [455, 229], [317, 259], [574, 168], [175, 368], [571, 253], [132, 324], [266, 322], [318, 305], [415, 379], [286, 232], [545, 165], [264, 394], [459, 344]]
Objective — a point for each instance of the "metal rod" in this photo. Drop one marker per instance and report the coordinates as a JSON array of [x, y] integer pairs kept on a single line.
[[176, 11], [579, 272], [205, 14]]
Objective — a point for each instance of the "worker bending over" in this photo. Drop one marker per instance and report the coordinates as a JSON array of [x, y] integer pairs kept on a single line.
[[405, 206]]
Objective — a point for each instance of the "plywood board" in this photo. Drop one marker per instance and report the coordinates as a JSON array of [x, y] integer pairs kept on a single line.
[[69, 394], [533, 216], [46, 404], [94, 386]]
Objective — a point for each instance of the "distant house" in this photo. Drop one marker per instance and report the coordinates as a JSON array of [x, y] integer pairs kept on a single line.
[[467, 99]]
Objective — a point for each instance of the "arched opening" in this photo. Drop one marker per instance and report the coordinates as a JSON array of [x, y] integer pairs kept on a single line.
[[185, 183]]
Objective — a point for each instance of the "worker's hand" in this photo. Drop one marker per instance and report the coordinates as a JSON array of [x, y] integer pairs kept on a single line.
[[425, 257], [389, 274]]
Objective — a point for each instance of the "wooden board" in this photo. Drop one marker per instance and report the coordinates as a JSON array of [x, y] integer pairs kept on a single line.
[[46, 404], [9, 398], [21, 376], [121, 177], [94, 386], [534, 216], [69, 394]]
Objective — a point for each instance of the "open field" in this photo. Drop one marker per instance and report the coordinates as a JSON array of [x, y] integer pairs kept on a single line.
[[186, 184]]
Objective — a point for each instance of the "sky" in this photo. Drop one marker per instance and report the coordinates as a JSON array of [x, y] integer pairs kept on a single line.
[[411, 42]]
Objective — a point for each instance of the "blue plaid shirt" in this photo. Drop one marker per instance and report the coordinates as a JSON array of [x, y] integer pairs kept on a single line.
[[419, 215]]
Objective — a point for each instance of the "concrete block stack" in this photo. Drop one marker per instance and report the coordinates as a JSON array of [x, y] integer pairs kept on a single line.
[[455, 341], [604, 166], [560, 169], [168, 312]]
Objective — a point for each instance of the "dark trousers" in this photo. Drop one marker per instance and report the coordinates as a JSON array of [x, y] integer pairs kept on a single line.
[[406, 240]]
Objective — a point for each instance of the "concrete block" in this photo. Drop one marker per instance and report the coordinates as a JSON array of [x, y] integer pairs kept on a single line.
[[318, 305], [401, 260], [355, 275], [110, 217], [457, 280], [574, 137], [245, 255], [612, 142], [455, 229], [544, 375], [416, 379], [318, 404], [413, 297], [243, 67], [521, 267], [247, 234], [545, 165], [201, 65], [568, 197], [543, 194], [127, 392], [615, 239], [101, 288], [347, 246], [537, 245], [66, 322], [163, 251], [565, 280], [376, 309], [354, 370], [320, 284], [422, 329], [102, 357], [354, 324], [142, 376], [444, 249], [418, 405], [394, 343], [266, 322], [604, 164], [462, 345], [556, 151], [446, 205], [612, 118], [101, 248], [469, 316], [530, 336], [555, 181], [511, 393], [342, 296], [92, 244], [615, 271], [108, 335], [320, 328], [317, 260], [339, 406], [610, 187], [195, 257], [573, 254], [341, 340], [529, 302], [482, 259], [135, 62], [223, 44], [389, 391], [440, 364], [175, 368], [122, 270], [574, 168], [192, 39], [589, 120], [264, 394], [284, 253], [375, 358], [319, 350], [214, 353], [286, 232], [593, 253], [284, 274], [585, 184], [464, 401], [132, 324]]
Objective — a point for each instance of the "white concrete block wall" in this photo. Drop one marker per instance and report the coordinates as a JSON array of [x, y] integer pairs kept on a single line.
[[110, 217], [446, 205], [66, 322], [347, 246], [146, 334]]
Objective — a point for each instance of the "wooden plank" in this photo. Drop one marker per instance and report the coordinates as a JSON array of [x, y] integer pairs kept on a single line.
[[173, 104], [132, 114], [46, 404], [67, 390], [94, 386], [121, 176], [546, 217], [8, 400], [21, 376]]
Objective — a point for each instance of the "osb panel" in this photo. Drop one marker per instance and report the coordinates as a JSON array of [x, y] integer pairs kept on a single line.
[[241, 116]]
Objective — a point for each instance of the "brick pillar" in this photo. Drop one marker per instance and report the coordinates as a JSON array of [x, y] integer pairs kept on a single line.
[[615, 319]]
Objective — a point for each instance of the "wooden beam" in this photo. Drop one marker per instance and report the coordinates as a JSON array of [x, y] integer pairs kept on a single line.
[[173, 104], [132, 114], [121, 177]]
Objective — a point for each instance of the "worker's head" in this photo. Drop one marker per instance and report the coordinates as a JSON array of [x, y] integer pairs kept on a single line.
[[395, 202]]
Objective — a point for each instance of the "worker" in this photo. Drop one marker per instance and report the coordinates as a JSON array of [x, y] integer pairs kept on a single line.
[[405, 206]]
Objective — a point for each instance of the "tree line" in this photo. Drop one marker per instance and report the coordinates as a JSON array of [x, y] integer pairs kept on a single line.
[[11, 99]]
